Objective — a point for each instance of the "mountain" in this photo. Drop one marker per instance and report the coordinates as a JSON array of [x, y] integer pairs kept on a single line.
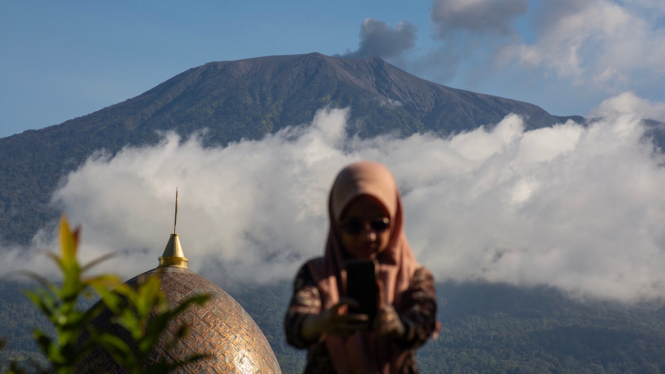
[[487, 328], [239, 99]]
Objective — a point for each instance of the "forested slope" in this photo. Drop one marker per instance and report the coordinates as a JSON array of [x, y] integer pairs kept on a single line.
[[486, 329]]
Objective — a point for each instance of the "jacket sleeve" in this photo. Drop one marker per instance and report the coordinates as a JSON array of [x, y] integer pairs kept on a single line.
[[306, 300], [418, 311]]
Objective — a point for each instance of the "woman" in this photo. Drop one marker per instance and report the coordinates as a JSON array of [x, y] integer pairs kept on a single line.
[[366, 223]]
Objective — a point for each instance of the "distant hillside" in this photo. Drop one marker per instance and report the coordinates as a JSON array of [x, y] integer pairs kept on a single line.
[[487, 329], [234, 100], [497, 328]]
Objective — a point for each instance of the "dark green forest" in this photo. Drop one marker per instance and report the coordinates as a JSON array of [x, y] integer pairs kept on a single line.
[[487, 328]]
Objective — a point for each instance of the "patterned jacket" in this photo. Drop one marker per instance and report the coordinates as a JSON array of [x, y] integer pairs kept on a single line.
[[418, 314]]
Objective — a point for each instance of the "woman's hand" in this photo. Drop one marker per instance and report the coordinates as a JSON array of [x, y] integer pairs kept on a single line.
[[387, 321], [334, 321]]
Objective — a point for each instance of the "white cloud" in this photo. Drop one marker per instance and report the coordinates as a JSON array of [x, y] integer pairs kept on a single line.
[[577, 208], [543, 51], [599, 42], [628, 103]]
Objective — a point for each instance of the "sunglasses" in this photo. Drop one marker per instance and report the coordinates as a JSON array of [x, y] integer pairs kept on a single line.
[[355, 227]]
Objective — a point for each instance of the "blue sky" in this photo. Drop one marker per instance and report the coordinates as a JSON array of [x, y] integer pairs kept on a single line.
[[61, 60]]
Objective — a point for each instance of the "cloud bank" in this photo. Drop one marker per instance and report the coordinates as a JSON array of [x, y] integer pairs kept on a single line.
[[596, 47], [576, 208], [602, 42], [609, 44]]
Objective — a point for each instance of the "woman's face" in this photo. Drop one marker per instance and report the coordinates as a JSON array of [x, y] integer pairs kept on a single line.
[[365, 228]]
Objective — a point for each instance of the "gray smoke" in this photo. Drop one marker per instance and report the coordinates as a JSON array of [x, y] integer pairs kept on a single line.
[[478, 16], [378, 39], [472, 32]]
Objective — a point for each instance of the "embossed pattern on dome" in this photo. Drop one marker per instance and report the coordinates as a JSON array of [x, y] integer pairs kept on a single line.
[[221, 327]]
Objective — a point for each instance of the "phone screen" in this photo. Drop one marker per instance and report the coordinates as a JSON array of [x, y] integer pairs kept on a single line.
[[361, 287]]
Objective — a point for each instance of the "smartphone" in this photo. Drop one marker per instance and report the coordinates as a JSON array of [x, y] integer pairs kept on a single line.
[[361, 287]]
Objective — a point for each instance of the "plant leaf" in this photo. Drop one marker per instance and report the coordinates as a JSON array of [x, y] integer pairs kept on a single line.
[[68, 242]]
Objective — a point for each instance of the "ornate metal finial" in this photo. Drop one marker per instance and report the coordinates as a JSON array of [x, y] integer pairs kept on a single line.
[[173, 255]]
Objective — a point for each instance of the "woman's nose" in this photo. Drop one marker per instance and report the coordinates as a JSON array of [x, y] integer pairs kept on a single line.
[[370, 234]]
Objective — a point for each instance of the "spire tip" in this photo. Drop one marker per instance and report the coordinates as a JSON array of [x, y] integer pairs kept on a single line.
[[173, 254], [175, 219]]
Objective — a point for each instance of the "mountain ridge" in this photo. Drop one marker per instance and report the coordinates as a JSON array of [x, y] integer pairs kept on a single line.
[[240, 68], [239, 99]]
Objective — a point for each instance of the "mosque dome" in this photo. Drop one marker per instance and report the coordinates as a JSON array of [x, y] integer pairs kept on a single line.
[[220, 327]]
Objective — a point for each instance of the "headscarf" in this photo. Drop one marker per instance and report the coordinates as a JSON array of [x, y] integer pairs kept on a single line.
[[365, 352]]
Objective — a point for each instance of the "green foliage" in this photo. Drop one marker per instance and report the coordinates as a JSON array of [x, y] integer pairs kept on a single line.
[[59, 305], [144, 312]]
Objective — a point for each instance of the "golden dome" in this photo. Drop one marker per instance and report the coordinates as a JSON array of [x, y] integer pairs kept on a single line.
[[220, 327]]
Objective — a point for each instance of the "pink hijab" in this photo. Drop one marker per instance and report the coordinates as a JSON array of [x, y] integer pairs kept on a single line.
[[365, 352]]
